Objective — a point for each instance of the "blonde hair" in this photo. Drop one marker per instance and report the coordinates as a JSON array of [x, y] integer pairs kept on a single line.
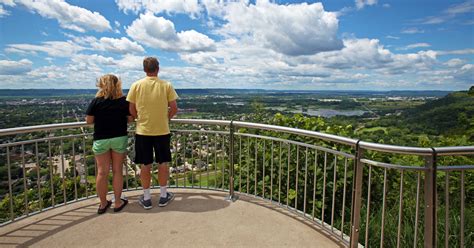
[[110, 87]]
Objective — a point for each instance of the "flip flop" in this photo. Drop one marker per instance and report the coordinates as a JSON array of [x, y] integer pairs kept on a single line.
[[124, 203], [103, 210]]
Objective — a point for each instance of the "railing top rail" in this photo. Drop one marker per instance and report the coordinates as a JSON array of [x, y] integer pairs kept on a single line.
[[424, 151], [443, 151], [39, 128], [324, 136], [201, 122], [454, 150], [396, 149]]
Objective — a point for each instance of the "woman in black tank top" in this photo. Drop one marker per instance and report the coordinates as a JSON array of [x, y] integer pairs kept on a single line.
[[109, 113]]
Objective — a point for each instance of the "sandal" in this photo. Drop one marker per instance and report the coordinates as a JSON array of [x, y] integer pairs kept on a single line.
[[124, 203], [103, 210]]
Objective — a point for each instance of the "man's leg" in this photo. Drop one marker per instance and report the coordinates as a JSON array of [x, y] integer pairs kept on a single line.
[[145, 177], [163, 175], [163, 155], [144, 156]]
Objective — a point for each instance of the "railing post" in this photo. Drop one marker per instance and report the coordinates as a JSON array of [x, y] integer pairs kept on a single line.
[[430, 201], [232, 197], [357, 194]]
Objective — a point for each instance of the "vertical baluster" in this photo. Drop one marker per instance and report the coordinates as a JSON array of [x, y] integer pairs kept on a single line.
[[215, 161], [10, 191], [353, 196], [178, 174], [185, 167], [343, 209], [418, 186], [86, 170], [240, 164], [125, 164], [74, 168], [462, 208], [53, 195], [175, 162], [367, 217], [61, 149], [324, 187], [383, 206], [255, 167], [223, 162], [200, 160], [356, 196], [288, 175], [279, 175], [305, 180], [271, 175], [263, 169], [297, 170], [207, 159], [38, 177], [315, 182], [248, 165], [192, 161], [25, 188], [446, 211], [400, 210], [334, 186]]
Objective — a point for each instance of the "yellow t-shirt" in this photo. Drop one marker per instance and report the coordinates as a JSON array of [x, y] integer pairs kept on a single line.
[[151, 96]]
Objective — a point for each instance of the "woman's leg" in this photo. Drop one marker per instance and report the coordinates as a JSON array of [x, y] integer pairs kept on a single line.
[[103, 168], [117, 168]]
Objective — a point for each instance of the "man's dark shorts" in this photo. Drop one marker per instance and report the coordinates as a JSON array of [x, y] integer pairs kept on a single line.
[[145, 145]]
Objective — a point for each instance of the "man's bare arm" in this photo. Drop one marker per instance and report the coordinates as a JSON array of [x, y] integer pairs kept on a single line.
[[173, 109], [133, 110]]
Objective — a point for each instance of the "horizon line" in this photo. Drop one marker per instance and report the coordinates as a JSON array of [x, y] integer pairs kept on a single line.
[[288, 90]]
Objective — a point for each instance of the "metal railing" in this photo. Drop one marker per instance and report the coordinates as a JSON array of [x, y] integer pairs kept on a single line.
[[356, 191]]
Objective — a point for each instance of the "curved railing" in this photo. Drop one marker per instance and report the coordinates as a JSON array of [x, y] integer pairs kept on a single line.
[[358, 192]]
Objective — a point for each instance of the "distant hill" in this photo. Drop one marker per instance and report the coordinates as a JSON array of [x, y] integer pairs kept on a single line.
[[452, 114], [319, 93]]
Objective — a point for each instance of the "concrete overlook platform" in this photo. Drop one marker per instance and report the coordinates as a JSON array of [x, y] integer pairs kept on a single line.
[[196, 218]]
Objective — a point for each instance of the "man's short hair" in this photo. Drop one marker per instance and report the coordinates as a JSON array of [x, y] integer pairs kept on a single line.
[[150, 64]]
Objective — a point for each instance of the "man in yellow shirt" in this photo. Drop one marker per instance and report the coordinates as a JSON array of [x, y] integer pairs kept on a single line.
[[153, 104]]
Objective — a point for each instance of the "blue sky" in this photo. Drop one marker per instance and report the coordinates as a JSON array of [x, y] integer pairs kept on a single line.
[[327, 45]]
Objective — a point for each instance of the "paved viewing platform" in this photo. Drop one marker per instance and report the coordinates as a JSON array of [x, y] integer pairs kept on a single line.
[[196, 218]]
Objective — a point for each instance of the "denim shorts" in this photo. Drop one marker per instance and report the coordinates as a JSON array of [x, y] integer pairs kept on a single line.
[[117, 144]]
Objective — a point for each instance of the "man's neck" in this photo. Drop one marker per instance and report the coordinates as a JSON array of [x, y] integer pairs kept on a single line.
[[152, 74]]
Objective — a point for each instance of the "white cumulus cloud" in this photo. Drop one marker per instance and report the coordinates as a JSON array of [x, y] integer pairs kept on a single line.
[[357, 53], [412, 31], [3, 12], [52, 48], [11, 67], [294, 29], [362, 3], [454, 62], [416, 45], [190, 7], [69, 16], [118, 46], [158, 32]]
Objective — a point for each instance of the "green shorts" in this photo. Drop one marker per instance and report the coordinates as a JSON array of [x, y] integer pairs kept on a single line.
[[117, 144]]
